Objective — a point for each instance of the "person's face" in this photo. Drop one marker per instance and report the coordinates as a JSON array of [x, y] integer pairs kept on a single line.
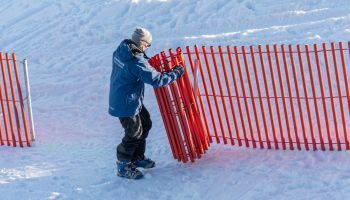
[[144, 45]]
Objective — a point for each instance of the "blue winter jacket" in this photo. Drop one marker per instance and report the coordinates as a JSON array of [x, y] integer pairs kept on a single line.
[[130, 71]]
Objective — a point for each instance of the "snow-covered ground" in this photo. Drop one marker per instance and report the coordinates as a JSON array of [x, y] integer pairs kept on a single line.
[[69, 46]]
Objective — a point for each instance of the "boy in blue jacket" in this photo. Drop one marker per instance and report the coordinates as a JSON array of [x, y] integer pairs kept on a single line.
[[129, 74]]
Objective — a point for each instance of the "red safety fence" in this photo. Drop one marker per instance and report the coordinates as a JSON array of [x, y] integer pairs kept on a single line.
[[279, 96], [16, 125]]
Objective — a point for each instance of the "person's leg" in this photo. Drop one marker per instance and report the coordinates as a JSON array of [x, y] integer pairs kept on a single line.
[[131, 140], [146, 124], [126, 149], [139, 159]]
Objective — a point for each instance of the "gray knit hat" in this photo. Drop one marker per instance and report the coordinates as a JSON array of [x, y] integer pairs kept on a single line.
[[141, 34]]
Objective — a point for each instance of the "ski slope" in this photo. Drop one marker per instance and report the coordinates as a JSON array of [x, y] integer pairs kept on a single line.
[[69, 47]]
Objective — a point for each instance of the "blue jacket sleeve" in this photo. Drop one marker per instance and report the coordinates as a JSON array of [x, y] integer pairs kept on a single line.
[[146, 73]]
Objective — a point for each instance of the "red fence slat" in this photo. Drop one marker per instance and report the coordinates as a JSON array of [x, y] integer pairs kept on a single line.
[[198, 92], [245, 96], [268, 97], [314, 97], [301, 66], [335, 120], [180, 112], [2, 103], [256, 74], [218, 110], [335, 63], [237, 95], [252, 94], [168, 125], [207, 95], [319, 72], [275, 94], [301, 115], [279, 72], [202, 132], [217, 73], [346, 79], [172, 118], [19, 90], [285, 63], [230, 97]]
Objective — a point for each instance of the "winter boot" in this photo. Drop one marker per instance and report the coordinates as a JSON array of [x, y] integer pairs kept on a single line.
[[144, 163], [127, 169]]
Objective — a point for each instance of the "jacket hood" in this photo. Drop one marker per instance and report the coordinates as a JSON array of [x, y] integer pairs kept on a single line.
[[127, 50]]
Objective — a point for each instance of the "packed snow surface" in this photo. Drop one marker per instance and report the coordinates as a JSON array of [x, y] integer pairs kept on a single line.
[[69, 47]]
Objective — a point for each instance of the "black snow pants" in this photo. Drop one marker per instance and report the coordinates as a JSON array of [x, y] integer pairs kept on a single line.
[[136, 130]]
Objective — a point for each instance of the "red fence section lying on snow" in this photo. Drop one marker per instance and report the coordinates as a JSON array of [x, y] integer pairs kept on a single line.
[[15, 122], [279, 96]]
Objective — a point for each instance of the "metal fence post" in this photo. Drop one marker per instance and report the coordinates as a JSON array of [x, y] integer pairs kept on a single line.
[[29, 100]]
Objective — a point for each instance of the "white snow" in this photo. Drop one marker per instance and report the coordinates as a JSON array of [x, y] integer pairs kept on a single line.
[[69, 45]]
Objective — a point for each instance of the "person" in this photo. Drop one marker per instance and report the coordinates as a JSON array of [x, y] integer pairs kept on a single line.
[[130, 72]]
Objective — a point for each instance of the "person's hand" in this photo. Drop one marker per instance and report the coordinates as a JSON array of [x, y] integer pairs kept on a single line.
[[179, 71]]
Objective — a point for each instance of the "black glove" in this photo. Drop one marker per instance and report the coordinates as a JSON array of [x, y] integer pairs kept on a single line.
[[179, 71]]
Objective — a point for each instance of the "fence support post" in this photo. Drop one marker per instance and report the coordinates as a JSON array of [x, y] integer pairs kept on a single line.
[[29, 100]]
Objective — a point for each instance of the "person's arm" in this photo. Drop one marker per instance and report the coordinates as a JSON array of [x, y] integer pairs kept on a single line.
[[149, 75]]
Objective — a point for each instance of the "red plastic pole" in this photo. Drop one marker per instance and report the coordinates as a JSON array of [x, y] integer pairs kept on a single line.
[[181, 114], [245, 96], [8, 105], [168, 129], [202, 132], [319, 72], [331, 93], [335, 62], [207, 94], [168, 103], [301, 115], [233, 112], [186, 109], [173, 119], [14, 100], [196, 94], [3, 108], [275, 94], [217, 73], [194, 134], [285, 63], [252, 53], [346, 78], [345, 72], [301, 65], [1, 140], [3, 114], [204, 115], [215, 96], [168, 126], [314, 96], [237, 95], [283, 98], [252, 96], [262, 62], [24, 119]]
